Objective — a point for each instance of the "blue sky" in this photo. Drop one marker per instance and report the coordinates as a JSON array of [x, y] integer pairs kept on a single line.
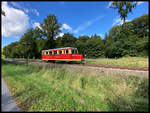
[[78, 18]]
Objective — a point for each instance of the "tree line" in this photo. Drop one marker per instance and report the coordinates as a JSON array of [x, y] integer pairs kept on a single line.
[[130, 39]]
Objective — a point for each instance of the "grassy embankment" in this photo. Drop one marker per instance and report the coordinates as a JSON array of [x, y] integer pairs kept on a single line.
[[57, 89], [125, 61]]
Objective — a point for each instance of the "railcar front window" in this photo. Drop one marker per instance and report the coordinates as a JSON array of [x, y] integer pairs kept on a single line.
[[75, 51]]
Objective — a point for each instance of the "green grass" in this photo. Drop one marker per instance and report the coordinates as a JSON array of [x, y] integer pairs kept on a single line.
[[125, 61], [56, 89]]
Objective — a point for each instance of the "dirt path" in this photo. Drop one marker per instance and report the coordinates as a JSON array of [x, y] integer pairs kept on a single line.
[[7, 103]]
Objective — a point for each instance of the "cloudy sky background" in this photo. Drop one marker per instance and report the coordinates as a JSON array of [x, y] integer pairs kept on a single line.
[[78, 18]]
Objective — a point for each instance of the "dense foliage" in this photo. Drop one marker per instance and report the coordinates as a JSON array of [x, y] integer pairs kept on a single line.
[[129, 39]]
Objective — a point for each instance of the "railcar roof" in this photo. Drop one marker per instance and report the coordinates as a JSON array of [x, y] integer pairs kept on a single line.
[[61, 48]]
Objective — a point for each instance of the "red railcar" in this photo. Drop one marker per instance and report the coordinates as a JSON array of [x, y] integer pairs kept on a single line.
[[62, 54]]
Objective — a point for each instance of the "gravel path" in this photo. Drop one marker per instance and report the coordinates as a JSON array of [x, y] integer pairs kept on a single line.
[[7, 103]]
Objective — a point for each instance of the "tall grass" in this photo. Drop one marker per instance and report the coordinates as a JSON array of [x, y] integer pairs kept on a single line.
[[125, 61], [57, 89]]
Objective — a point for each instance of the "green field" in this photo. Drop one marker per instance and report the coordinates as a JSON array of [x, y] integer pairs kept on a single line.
[[125, 61], [56, 89]]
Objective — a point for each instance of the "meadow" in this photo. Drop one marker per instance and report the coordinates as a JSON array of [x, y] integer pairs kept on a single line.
[[36, 88], [124, 61]]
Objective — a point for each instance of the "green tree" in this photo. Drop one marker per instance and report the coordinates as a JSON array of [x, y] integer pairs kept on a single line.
[[81, 44], [29, 42], [10, 50], [40, 46], [6, 51], [95, 47], [67, 40], [124, 7], [50, 28], [106, 38], [83, 38], [112, 32], [141, 26]]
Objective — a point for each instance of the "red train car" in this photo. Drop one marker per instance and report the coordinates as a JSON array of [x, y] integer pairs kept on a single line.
[[62, 54]]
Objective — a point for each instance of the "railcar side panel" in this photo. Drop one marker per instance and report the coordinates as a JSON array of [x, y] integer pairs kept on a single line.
[[62, 55]]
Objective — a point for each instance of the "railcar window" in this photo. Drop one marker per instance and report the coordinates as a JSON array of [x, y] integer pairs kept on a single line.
[[66, 51], [60, 52], [55, 52], [50, 53], [73, 51]]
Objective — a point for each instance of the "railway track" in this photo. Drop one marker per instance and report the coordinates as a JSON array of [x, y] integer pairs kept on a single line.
[[91, 65]]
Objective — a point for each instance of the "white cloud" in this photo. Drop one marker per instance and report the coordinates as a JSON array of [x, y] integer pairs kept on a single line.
[[36, 24], [102, 35], [15, 22], [118, 21], [109, 4], [60, 35], [82, 26], [67, 27], [138, 3], [16, 4], [26, 10], [86, 24], [35, 11]]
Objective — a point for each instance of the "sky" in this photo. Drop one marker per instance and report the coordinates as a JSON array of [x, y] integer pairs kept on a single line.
[[78, 18]]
